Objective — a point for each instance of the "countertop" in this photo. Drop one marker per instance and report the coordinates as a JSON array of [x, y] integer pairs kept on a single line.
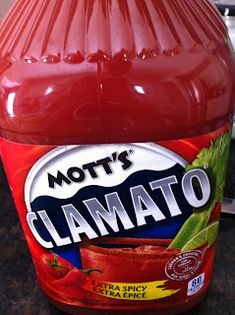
[[20, 293]]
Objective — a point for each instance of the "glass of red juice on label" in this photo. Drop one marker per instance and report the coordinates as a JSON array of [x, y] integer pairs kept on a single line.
[[115, 124]]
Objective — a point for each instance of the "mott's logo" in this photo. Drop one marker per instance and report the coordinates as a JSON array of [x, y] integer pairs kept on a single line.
[[77, 174], [93, 191]]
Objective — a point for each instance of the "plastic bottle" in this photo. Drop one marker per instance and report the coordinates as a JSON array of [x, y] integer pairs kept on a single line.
[[115, 122]]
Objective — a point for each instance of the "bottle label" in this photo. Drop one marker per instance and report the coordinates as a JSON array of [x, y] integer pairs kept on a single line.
[[121, 226]]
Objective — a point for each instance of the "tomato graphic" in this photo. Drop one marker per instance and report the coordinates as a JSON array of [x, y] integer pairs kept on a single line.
[[55, 266]]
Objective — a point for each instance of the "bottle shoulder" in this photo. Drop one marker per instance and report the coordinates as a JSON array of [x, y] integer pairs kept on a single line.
[[74, 31]]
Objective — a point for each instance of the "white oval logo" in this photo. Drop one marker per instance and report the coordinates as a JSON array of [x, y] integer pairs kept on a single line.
[[65, 170]]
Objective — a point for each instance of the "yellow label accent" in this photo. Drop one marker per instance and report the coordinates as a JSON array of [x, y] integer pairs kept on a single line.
[[144, 291]]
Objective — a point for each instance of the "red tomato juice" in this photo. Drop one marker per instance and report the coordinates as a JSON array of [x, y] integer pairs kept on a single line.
[[115, 125]]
